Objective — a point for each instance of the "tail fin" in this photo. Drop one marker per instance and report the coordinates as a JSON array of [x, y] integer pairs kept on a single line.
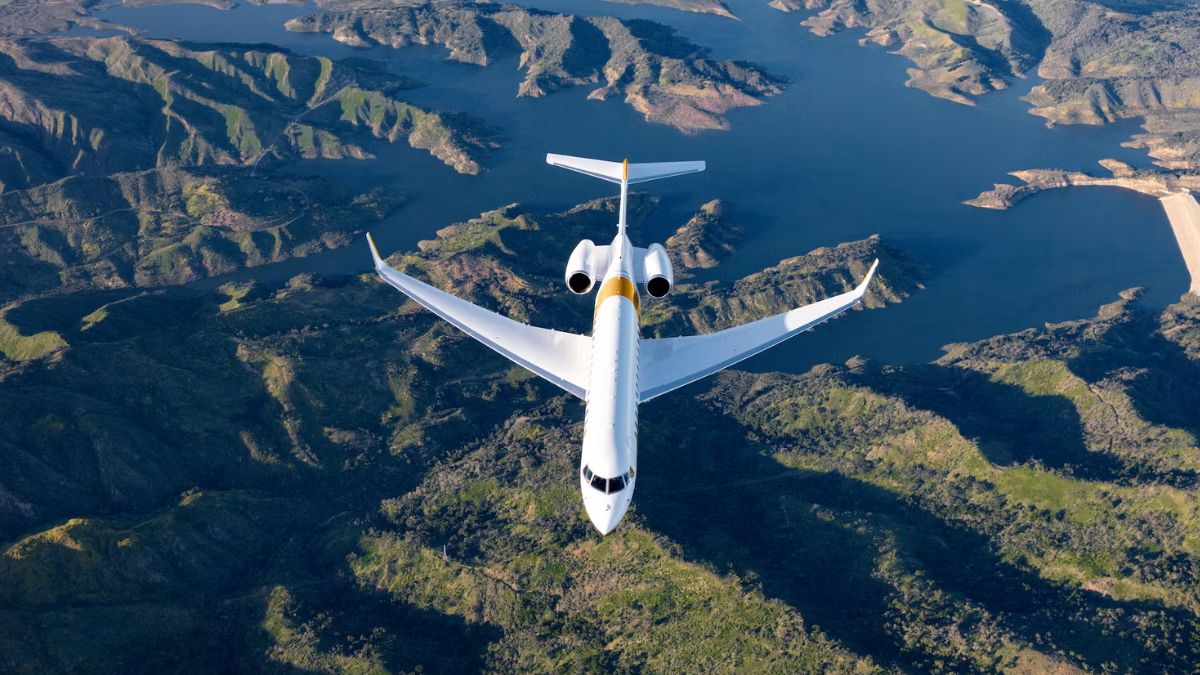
[[623, 173], [615, 172]]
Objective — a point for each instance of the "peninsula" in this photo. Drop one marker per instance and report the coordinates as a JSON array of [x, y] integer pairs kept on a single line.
[[660, 74], [959, 48], [716, 7]]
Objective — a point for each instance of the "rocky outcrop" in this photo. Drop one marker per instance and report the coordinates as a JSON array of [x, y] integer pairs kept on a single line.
[[704, 240], [665, 77]]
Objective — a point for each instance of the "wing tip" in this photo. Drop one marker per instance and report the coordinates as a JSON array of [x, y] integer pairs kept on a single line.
[[379, 264], [862, 286]]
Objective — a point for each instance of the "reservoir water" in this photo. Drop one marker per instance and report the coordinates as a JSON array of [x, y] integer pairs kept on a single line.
[[844, 152]]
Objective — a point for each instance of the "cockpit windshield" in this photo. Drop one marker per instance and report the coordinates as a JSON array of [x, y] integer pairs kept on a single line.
[[608, 485]]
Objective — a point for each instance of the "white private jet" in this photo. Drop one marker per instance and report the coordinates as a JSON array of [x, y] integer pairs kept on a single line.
[[615, 369]]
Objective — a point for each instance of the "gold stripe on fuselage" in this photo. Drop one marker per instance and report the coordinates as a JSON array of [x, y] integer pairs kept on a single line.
[[618, 286]]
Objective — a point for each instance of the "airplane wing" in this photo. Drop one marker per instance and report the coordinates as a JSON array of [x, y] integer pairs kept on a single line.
[[670, 363], [561, 358]]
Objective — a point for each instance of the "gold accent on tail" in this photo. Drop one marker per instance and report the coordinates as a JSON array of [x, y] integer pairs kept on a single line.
[[625, 170], [621, 286]]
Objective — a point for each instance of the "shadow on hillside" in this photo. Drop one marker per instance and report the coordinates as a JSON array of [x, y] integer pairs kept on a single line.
[[1160, 379], [407, 638], [330, 622], [815, 541], [1031, 28], [1009, 425]]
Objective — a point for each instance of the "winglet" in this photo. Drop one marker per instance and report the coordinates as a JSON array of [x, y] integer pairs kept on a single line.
[[375, 253], [862, 286]]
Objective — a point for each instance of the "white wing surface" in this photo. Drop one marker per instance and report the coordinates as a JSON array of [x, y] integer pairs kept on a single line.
[[670, 363], [561, 358], [615, 172]]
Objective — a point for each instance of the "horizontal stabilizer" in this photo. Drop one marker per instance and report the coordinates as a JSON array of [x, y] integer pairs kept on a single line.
[[616, 172]]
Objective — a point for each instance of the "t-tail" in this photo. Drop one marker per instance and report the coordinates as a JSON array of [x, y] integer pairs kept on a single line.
[[624, 173]]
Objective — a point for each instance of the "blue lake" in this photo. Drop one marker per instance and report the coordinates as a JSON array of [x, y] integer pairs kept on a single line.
[[846, 151]]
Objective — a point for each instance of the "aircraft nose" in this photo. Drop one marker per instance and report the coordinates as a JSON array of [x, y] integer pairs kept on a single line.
[[604, 515], [605, 511]]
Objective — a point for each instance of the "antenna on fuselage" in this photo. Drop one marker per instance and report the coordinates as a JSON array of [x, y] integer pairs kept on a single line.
[[624, 173]]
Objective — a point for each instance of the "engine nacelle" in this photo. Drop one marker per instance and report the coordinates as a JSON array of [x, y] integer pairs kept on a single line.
[[656, 270], [581, 273]]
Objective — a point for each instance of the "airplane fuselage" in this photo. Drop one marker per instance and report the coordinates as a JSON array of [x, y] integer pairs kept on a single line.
[[608, 463]]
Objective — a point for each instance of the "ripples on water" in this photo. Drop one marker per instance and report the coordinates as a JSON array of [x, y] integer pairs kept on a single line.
[[845, 152]]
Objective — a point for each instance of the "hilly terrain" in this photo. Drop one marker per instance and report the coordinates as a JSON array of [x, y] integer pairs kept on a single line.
[[129, 162], [168, 226], [96, 106], [1122, 60], [320, 476], [193, 477]]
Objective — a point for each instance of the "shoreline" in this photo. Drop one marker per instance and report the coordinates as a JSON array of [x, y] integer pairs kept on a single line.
[[1174, 191]]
